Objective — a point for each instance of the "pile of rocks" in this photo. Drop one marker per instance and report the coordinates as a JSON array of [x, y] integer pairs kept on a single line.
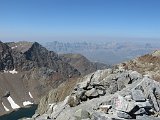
[[95, 85], [143, 100], [109, 95]]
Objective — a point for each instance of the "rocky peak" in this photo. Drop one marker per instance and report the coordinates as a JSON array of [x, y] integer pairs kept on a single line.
[[6, 59], [29, 68], [82, 64], [41, 56]]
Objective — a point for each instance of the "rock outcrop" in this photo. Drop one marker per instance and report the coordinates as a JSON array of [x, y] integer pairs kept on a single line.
[[148, 64], [82, 64], [109, 94], [29, 71], [6, 59]]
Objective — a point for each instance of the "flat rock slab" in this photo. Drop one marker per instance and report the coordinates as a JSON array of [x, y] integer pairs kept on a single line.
[[121, 104], [138, 96], [81, 114], [123, 115], [91, 93]]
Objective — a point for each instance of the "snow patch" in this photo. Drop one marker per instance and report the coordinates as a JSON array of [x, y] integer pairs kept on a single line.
[[5, 71], [30, 95], [13, 72], [25, 103], [14, 47], [6, 109], [12, 103]]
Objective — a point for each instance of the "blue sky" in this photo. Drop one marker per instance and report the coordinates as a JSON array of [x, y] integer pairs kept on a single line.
[[47, 20]]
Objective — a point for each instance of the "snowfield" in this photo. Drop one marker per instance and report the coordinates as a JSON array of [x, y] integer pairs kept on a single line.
[[25, 103], [12, 103]]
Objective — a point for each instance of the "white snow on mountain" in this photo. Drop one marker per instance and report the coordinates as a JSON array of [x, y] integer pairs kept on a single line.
[[6, 109], [12, 103], [25, 103], [30, 95]]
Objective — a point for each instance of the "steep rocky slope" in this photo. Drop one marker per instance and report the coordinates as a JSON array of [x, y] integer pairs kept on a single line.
[[82, 64], [118, 93], [108, 95], [27, 72], [147, 64]]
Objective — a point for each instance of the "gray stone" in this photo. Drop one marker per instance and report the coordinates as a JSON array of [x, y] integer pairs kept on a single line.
[[120, 84], [86, 119], [101, 92], [35, 115], [146, 117], [145, 104], [134, 75], [128, 97], [154, 101], [105, 108], [121, 104], [98, 116], [83, 85], [141, 111], [81, 114], [123, 115], [73, 101], [80, 93], [113, 87], [131, 107], [138, 96], [43, 117], [157, 94], [92, 93]]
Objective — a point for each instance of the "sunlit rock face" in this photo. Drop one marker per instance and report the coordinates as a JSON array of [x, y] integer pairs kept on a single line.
[[148, 65], [106, 95]]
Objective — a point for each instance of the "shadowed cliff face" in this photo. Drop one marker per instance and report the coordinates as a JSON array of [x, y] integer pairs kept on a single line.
[[29, 71], [6, 61], [82, 64]]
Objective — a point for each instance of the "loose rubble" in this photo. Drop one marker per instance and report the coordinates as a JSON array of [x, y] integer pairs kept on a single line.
[[109, 95]]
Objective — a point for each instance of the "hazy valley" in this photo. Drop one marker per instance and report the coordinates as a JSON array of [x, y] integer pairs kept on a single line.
[[31, 75], [111, 52]]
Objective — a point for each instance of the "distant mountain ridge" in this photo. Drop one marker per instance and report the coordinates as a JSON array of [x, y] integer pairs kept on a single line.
[[104, 52]]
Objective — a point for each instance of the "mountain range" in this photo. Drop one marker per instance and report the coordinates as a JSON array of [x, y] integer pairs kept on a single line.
[[70, 86], [117, 93], [111, 52], [28, 71]]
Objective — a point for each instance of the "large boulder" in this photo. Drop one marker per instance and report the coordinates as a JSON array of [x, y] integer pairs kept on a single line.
[[138, 96], [81, 114]]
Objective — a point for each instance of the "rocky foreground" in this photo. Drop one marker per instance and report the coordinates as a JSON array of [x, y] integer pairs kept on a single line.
[[108, 95]]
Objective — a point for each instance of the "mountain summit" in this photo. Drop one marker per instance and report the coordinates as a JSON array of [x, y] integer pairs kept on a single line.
[[27, 72]]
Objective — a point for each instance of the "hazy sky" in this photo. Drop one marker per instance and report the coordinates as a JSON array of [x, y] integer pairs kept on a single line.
[[79, 19]]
